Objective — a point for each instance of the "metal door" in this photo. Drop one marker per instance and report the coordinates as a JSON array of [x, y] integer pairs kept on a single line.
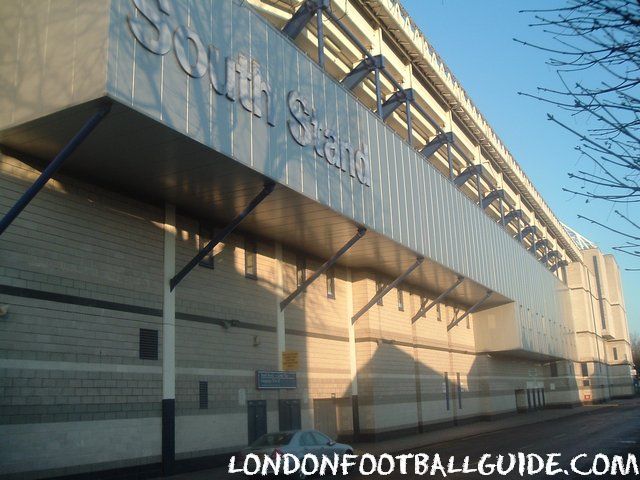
[[289, 414], [256, 419], [325, 418]]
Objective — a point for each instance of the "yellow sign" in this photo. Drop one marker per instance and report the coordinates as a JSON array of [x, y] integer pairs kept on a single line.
[[290, 361]]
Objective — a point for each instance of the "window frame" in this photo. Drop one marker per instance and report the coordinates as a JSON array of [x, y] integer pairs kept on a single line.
[[206, 232], [301, 269], [330, 276], [380, 285], [250, 251]]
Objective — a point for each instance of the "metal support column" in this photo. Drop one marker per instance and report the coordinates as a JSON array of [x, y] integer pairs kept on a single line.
[[320, 29], [53, 167], [407, 106], [323, 268], [378, 93], [424, 308], [470, 311], [387, 289], [450, 160], [168, 441], [519, 234], [268, 188]]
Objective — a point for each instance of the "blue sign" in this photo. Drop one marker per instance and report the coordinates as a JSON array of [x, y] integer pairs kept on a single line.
[[275, 380]]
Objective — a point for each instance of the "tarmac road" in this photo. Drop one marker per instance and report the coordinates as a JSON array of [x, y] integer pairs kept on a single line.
[[612, 430]]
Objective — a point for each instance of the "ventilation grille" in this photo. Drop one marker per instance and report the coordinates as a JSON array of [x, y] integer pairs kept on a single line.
[[204, 394], [148, 344]]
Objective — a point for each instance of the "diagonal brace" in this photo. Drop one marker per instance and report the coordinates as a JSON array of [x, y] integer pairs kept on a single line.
[[549, 255], [540, 243], [511, 216], [491, 197], [53, 167], [268, 188], [528, 230], [438, 141], [560, 264], [303, 15], [467, 174], [470, 311], [360, 72], [397, 99], [323, 268], [424, 308], [387, 289]]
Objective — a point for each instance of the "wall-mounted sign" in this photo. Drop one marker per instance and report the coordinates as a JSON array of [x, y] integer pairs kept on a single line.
[[241, 78], [306, 130], [276, 380], [290, 361]]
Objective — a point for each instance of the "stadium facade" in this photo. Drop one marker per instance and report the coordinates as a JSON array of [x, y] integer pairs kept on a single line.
[[268, 215]]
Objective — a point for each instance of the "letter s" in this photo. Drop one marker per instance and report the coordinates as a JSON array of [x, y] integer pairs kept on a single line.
[[303, 132], [161, 44]]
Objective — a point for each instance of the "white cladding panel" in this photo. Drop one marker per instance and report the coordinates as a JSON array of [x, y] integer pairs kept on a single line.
[[408, 200]]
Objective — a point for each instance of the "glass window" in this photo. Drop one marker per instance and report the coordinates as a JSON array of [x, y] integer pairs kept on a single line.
[[250, 258], [379, 287], [585, 369], [400, 300], [301, 269], [331, 283], [554, 369], [320, 438], [205, 234], [615, 353], [307, 440], [273, 439]]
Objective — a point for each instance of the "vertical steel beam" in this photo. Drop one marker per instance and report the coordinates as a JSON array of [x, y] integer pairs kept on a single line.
[[407, 107], [450, 160], [520, 229], [323, 268], [320, 37], [470, 311], [387, 289], [53, 167], [268, 188], [378, 92]]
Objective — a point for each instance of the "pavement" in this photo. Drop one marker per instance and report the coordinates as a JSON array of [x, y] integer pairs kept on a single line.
[[613, 426]]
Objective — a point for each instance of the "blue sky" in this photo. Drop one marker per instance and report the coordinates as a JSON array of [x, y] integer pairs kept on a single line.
[[475, 39]]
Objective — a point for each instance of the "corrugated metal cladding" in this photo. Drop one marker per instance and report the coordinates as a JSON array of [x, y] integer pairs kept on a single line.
[[408, 200]]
